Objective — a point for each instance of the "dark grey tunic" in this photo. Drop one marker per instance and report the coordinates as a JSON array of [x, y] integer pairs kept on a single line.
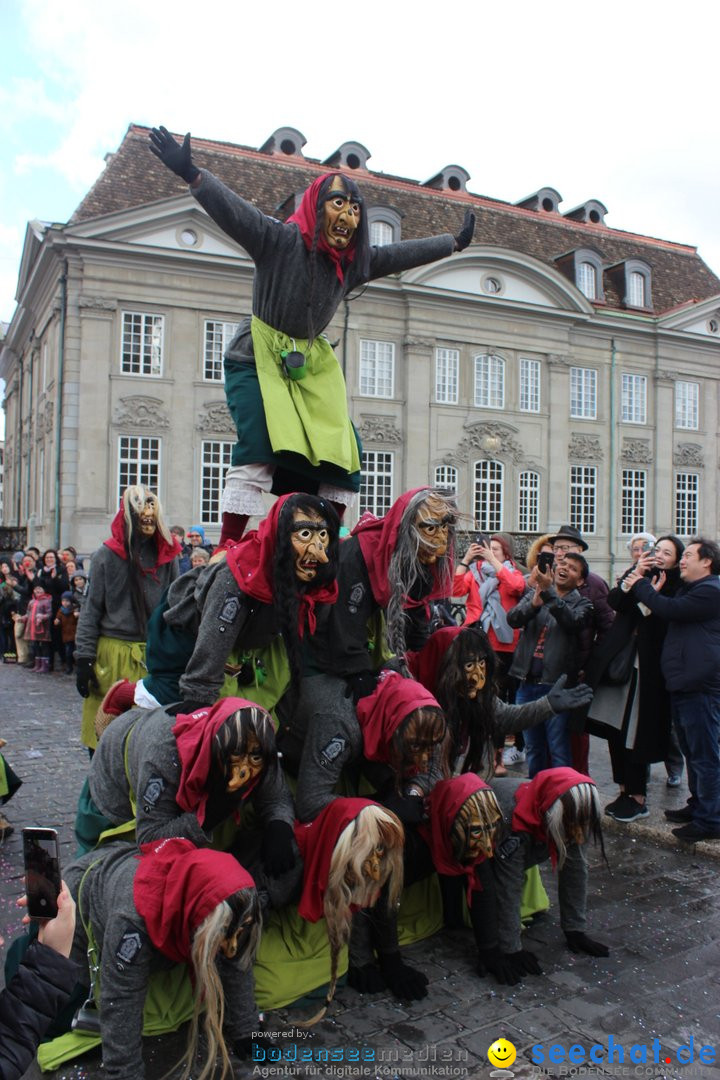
[[127, 958]]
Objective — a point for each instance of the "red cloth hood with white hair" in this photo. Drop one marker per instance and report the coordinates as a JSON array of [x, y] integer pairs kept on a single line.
[[317, 840], [177, 886], [166, 551], [534, 799], [381, 713]]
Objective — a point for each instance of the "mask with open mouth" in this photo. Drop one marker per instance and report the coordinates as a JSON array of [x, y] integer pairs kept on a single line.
[[147, 518], [342, 216], [310, 540]]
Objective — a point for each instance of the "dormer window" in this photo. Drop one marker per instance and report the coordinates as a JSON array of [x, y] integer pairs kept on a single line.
[[632, 280], [584, 267], [451, 178], [546, 200], [586, 280], [591, 212], [384, 225], [286, 140], [351, 155]]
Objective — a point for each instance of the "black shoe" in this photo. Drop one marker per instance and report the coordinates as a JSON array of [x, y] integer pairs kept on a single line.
[[629, 809], [682, 815], [615, 804], [692, 832]]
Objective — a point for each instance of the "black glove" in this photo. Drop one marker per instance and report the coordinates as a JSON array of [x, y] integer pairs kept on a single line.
[[409, 808], [360, 685], [177, 158], [527, 962], [465, 235], [501, 965], [366, 979], [581, 943], [562, 700], [85, 677], [278, 852], [405, 982]]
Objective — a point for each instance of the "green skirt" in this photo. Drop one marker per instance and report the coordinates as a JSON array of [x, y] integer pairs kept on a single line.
[[116, 660]]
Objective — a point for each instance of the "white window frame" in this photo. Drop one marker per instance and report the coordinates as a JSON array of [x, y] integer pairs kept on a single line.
[[139, 461], [488, 495], [583, 393], [446, 476], [529, 385], [217, 335], [687, 503], [587, 279], [489, 381], [633, 398], [215, 460], [637, 287], [583, 497], [376, 481], [447, 376], [142, 344], [529, 501], [377, 368], [381, 233], [633, 510], [687, 405]]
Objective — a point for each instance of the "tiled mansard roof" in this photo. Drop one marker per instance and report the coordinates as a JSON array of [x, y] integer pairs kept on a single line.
[[133, 177]]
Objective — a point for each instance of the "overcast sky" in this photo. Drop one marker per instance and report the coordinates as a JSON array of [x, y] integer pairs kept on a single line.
[[614, 101]]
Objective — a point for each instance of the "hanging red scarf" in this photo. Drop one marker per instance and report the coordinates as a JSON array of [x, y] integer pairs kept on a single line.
[[194, 734], [177, 886], [305, 217], [317, 840], [381, 713], [166, 551], [534, 799], [251, 564], [444, 804], [425, 664]]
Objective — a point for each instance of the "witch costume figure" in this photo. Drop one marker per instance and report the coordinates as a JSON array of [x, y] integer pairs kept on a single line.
[[285, 389]]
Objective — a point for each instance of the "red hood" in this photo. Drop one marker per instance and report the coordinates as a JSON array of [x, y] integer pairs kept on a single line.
[[166, 552], [425, 664], [445, 800], [534, 799], [317, 840], [381, 713], [194, 734], [305, 217], [177, 886]]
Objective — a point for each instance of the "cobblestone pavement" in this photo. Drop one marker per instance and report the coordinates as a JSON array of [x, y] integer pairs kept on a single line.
[[658, 907]]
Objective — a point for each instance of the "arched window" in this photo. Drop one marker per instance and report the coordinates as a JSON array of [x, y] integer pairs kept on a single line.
[[488, 495], [381, 233], [587, 280], [445, 477]]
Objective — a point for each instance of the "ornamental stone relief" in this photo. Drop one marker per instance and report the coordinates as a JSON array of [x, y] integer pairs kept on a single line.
[[585, 447], [559, 360], [215, 418], [97, 303], [141, 412], [637, 451], [493, 440], [49, 418], [379, 429], [689, 454]]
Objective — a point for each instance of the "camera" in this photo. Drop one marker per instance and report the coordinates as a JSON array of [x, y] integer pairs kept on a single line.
[[43, 882]]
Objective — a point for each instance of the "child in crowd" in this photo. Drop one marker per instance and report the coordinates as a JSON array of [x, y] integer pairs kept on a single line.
[[66, 619]]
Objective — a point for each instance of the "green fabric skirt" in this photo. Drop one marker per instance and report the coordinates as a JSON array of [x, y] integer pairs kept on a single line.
[[116, 660], [9, 781]]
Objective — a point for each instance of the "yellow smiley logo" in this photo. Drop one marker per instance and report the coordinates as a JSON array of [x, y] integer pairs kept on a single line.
[[502, 1053]]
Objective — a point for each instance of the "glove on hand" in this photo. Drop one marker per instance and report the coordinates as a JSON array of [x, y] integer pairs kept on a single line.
[[360, 685], [581, 943], [562, 700], [527, 962], [278, 853], [405, 982], [85, 677], [501, 965], [177, 158], [465, 235], [366, 979]]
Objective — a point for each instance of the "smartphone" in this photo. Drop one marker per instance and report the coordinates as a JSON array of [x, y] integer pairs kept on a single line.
[[646, 547], [482, 538], [43, 882], [545, 561]]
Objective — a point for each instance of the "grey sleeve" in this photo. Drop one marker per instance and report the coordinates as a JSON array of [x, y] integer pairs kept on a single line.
[[224, 615], [123, 987], [394, 258], [509, 880], [242, 221], [572, 889], [91, 612], [333, 740], [272, 798], [512, 718], [158, 815]]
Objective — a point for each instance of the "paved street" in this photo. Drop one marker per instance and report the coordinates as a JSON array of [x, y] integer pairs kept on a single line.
[[658, 908]]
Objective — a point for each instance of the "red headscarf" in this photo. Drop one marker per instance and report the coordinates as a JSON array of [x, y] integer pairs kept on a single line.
[[166, 552], [177, 886], [444, 804], [251, 564], [194, 734], [378, 539], [381, 713], [317, 840], [305, 217], [534, 799], [425, 664]]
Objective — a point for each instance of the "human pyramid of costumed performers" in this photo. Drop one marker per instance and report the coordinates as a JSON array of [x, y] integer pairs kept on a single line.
[[277, 738]]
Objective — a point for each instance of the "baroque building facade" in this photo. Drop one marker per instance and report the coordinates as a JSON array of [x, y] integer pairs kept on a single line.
[[556, 371]]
